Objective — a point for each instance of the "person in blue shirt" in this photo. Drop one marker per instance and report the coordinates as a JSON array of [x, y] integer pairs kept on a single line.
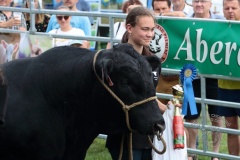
[[81, 22], [81, 5]]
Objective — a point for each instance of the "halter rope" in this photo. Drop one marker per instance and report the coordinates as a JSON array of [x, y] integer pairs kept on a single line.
[[126, 108]]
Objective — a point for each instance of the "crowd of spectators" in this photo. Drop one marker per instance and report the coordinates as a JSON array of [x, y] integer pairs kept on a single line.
[[80, 25]]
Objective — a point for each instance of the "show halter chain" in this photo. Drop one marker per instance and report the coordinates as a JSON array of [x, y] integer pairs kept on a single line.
[[126, 108]]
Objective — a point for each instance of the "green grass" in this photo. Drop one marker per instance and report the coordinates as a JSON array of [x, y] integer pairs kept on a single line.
[[98, 151], [223, 143]]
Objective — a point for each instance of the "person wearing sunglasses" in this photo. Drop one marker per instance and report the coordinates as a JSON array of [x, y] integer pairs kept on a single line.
[[82, 5], [81, 22], [65, 29]]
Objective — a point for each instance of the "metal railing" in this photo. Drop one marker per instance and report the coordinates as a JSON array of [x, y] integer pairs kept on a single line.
[[203, 126]]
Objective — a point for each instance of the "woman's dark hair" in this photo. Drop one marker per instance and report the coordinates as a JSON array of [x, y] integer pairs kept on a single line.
[[132, 19], [135, 13], [12, 4]]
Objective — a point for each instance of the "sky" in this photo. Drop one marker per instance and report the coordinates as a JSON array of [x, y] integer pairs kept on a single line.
[[216, 5]]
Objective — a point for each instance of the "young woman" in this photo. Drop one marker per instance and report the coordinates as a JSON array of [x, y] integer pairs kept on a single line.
[[140, 26], [41, 20], [65, 28]]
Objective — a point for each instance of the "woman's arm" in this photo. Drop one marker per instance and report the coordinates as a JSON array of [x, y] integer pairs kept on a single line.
[[162, 106]]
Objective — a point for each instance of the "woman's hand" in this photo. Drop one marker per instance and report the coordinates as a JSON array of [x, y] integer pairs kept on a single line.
[[13, 22], [176, 105], [162, 106]]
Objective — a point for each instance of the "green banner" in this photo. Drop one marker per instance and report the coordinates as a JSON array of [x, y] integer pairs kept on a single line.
[[212, 46]]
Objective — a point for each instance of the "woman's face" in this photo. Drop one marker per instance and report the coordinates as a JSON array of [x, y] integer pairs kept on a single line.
[[63, 20], [35, 4], [142, 33]]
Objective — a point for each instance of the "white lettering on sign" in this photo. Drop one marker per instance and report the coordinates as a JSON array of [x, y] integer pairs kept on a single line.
[[198, 47], [202, 49], [217, 45], [188, 47], [228, 51]]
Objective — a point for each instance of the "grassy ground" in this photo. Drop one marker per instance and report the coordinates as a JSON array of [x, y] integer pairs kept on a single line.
[[97, 150]]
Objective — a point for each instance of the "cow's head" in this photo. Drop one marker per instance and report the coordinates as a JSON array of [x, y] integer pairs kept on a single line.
[[129, 75]]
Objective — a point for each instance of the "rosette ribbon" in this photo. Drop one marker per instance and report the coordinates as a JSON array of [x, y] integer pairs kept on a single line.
[[187, 75]]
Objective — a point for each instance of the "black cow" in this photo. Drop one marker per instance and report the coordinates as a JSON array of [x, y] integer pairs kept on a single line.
[[56, 106]]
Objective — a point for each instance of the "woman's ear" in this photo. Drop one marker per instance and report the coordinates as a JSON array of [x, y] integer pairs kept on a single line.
[[129, 28]]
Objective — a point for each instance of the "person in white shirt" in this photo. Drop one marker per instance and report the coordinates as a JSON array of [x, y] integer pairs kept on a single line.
[[181, 5], [65, 29]]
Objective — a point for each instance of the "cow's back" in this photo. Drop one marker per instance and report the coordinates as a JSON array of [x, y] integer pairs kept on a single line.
[[57, 58], [32, 112]]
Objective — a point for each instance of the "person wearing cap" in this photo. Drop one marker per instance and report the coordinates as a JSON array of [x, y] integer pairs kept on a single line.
[[76, 43], [65, 29]]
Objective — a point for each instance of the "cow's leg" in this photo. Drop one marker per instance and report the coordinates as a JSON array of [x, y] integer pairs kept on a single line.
[[3, 99]]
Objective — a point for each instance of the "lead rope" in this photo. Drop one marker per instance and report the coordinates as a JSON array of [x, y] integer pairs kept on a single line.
[[155, 149], [126, 108], [129, 147]]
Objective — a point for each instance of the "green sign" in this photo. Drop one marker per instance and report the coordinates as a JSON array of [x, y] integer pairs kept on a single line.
[[212, 46]]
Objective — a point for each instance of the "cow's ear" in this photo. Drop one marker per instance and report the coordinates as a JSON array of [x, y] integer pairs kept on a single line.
[[106, 66], [154, 61]]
